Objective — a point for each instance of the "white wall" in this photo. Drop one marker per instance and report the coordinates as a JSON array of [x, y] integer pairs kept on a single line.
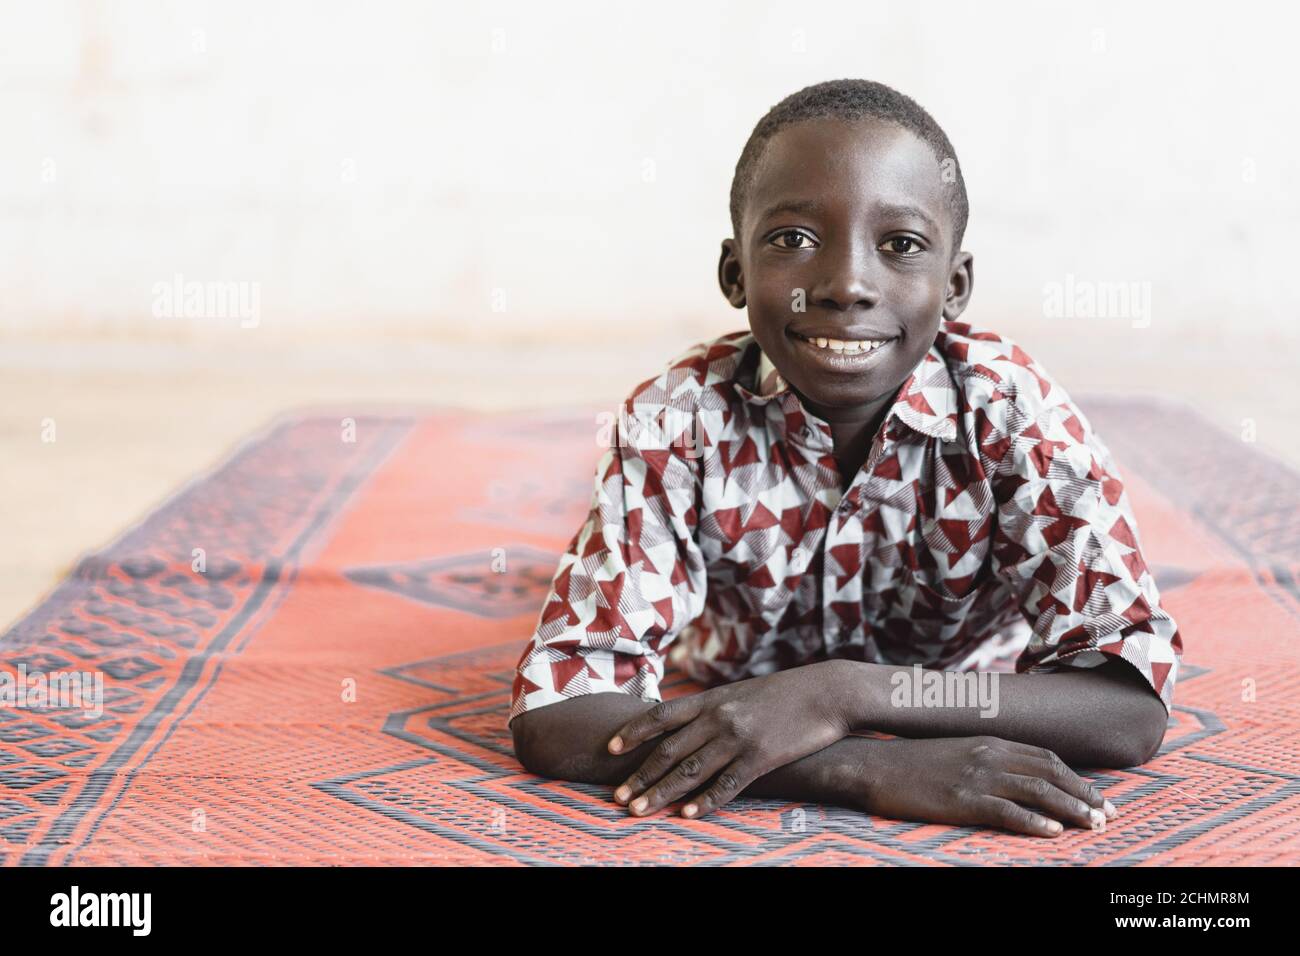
[[381, 167]]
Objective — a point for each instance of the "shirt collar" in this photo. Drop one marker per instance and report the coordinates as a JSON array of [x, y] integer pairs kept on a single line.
[[927, 401]]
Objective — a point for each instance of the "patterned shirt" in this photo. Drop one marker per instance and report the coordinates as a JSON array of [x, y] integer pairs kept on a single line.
[[988, 528]]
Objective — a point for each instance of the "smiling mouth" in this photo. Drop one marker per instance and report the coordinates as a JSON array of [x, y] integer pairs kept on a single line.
[[845, 347]]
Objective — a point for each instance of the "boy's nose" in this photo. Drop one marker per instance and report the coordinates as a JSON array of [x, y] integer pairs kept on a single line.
[[846, 281]]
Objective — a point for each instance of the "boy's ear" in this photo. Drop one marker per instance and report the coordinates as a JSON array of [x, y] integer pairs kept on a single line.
[[960, 283], [730, 278]]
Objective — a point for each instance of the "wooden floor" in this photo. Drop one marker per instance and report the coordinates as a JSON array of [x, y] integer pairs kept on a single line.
[[133, 422]]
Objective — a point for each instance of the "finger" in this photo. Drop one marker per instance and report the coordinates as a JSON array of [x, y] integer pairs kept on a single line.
[[1055, 770], [663, 757], [726, 787], [689, 774], [662, 717], [1041, 793], [997, 812]]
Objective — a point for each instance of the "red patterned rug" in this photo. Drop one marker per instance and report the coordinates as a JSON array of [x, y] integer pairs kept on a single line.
[[332, 687]]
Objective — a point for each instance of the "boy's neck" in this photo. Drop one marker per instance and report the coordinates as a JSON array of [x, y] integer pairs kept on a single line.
[[852, 445], [852, 431]]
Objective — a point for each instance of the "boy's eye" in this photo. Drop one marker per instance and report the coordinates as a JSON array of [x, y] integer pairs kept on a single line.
[[900, 245], [790, 239]]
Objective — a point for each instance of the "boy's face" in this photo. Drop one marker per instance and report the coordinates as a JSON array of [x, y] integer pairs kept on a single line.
[[852, 218]]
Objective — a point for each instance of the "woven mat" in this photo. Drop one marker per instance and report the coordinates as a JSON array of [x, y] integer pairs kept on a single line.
[[332, 687]]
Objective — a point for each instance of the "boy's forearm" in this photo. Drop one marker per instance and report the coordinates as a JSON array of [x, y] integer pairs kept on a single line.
[[829, 776], [568, 741], [1100, 717]]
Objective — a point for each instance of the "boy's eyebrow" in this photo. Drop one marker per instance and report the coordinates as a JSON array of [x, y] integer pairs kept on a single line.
[[904, 209], [792, 205], [886, 209]]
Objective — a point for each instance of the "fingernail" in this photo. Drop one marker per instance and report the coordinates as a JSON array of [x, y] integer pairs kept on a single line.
[[1098, 819], [622, 793], [1053, 826], [1109, 809], [639, 804], [689, 810], [616, 744]]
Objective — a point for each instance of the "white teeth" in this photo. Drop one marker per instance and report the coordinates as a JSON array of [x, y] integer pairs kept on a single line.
[[847, 347]]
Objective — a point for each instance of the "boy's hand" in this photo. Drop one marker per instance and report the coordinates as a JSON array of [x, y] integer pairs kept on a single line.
[[981, 781], [735, 732]]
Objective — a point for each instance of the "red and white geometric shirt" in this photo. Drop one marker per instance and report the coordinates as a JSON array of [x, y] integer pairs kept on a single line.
[[988, 529]]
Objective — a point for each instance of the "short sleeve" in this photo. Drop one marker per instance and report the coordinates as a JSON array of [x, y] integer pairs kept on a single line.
[[1067, 542], [632, 578]]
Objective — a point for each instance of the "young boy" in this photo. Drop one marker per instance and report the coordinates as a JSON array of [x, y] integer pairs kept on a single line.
[[859, 484]]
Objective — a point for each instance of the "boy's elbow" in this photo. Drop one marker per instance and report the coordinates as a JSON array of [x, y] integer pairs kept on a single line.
[[544, 746], [1150, 745], [1154, 726], [1146, 735], [526, 750], [565, 740]]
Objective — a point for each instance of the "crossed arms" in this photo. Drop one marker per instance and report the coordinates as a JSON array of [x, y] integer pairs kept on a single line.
[[792, 735]]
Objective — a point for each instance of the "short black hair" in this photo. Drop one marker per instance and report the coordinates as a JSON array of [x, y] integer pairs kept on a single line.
[[850, 100]]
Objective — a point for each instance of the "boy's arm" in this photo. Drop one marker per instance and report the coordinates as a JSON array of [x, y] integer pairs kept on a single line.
[[973, 781], [567, 741], [1106, 716], [632, 577]]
